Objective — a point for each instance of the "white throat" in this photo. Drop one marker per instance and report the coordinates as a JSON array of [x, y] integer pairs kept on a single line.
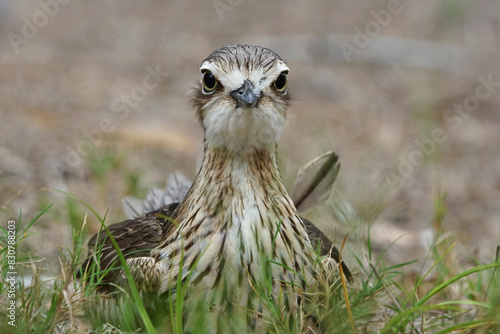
[[242, 129]]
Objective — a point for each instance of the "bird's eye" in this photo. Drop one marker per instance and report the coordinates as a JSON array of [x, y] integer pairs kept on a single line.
[[209, 82], [280, 83]]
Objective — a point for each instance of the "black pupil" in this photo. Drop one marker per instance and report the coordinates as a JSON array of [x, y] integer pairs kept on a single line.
[[281, 81], [209, 80]]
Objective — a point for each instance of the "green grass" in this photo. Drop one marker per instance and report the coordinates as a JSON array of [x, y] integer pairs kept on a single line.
[[41, 305], [455, 300]]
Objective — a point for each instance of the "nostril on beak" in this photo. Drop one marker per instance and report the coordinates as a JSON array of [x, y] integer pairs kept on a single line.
[[245, 95]]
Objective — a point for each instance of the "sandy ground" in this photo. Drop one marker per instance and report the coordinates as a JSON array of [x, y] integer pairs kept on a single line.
[[406, 92]]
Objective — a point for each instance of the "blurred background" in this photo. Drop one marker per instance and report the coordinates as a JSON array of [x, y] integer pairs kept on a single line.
[[406, 92]]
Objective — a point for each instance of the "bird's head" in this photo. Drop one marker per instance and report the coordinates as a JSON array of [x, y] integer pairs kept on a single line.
[[242, 98]]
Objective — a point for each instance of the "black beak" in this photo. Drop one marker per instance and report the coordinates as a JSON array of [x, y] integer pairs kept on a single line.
[[245, 96]]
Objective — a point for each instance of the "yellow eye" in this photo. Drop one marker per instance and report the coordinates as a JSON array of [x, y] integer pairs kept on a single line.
[[280, 83], [209, 82]]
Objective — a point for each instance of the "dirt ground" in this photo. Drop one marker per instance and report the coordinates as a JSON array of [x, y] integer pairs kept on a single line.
[[406, 92]]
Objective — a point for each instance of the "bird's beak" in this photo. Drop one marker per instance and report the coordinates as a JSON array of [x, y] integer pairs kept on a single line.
[[245, 96]]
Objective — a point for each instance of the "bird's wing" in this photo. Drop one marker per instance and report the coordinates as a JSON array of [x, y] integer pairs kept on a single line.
[[326, 248], [314, 182], [135, 238]]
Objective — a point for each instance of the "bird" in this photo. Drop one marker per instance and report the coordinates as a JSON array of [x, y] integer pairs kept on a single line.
[[235, 242]]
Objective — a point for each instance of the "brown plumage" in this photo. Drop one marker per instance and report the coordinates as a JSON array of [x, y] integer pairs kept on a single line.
[[237, 228], [137, 237]]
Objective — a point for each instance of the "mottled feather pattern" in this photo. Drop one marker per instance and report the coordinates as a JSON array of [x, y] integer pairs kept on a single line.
[[227, 223], [151, 227], [245, 57], [237, 234], [260, 187]]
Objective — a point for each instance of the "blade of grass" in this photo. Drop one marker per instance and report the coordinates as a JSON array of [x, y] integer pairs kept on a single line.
[[420, 305], [455, 278], [421, 279], [467, 326], [76, 198], [344, 288], [133, 288]]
